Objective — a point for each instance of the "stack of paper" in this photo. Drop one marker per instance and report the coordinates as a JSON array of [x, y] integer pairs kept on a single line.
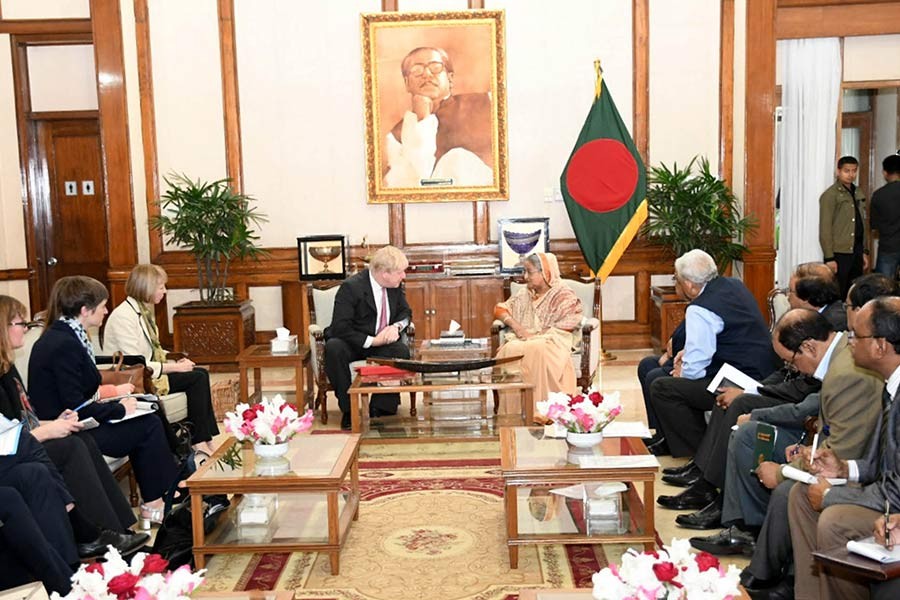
[[10, 430], [626, 429], [870, 549], [618, 462]]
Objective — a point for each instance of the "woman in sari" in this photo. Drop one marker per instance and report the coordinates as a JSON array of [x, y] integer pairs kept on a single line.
[[541, 317]]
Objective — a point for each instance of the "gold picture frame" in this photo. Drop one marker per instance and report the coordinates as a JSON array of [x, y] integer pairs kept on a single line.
[[440, 79]]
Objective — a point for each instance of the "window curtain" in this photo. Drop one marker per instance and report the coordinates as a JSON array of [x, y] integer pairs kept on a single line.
[[811, 86]]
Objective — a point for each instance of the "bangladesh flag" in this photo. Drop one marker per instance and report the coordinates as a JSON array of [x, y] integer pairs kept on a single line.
[[604, 185]]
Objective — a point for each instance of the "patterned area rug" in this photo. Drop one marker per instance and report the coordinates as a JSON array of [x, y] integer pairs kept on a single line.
[[431, 525]]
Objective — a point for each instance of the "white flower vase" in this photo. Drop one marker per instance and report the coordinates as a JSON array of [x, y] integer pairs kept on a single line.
[[271, 459], [584, 440]]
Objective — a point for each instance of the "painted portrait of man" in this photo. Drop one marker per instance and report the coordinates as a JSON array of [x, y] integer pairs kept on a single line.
[[435, 113]]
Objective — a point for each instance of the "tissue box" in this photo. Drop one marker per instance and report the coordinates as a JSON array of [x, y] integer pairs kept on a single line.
[[287, 345], [257, 509]]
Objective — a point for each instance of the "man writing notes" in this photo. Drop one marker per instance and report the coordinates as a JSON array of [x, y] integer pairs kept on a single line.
[[443, 138], [370, 314]]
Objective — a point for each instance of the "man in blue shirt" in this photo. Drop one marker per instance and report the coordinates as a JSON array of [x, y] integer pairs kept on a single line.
[[723, 323]]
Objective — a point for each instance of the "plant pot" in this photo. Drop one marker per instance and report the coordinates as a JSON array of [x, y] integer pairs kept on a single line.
[[584, 440], [214, 332], [271, 459]]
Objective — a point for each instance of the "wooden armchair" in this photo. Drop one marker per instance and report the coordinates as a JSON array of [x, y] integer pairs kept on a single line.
[[320, 300], [586, 345]]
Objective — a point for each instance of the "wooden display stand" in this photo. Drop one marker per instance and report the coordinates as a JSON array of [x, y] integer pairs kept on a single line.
[[666, 313], [214, 333]]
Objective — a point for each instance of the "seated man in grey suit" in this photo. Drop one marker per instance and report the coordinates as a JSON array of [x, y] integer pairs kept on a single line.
[[370, 314], [823, 517]]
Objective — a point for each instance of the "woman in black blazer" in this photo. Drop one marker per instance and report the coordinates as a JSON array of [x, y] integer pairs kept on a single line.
[[63, 376]]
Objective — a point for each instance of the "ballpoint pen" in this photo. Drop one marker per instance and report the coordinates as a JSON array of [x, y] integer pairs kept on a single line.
[[887, 531], [812, 454]]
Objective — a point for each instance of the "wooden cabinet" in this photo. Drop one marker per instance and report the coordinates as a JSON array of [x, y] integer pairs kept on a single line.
[[469, 300], [666, 312]]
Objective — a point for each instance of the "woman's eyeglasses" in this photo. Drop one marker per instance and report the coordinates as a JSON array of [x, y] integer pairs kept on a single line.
[[26, 325]]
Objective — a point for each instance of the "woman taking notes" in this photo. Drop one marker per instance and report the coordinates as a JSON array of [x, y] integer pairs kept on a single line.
[[62, 375], [131, 329]]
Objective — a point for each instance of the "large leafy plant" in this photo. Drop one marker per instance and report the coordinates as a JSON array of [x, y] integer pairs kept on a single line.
[[214, 223], [689, 209]]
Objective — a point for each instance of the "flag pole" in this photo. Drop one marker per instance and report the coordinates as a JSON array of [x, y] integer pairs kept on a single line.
[[603, 356]]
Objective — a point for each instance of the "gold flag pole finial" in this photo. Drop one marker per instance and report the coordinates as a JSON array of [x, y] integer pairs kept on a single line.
[[598, 70]]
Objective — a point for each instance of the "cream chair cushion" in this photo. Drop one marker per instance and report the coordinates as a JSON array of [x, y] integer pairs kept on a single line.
[[323, 302]]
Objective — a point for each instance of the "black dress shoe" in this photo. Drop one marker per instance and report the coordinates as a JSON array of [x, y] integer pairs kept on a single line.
[[694, 498], [680, 470], [710, 517], [346, 423], [686, 479], [783, 590], [728, 541], [659, 448], [125, 543]]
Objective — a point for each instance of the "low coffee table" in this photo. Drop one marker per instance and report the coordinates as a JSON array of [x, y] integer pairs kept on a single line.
[[316, 500], [496, 379], [532, 465]]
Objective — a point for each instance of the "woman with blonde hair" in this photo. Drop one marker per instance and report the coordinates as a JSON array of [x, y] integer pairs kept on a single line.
[[542, 317], [131, 329]]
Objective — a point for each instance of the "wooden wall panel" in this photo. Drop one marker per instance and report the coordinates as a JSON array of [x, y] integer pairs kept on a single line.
[[726, 91], [37, 26], [231, 108], [640, 47], [831, 19], [759, 264], [106, 23]]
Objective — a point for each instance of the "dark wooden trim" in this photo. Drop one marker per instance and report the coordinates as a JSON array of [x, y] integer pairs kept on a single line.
[[148, 120], [57, 115], [42, 26], [481, 213], [836, 20], [640, 50], [27, 166], [15, 274], [759, 127], [726, 91], [396, 212], [231, 105], [873, 85], [817, 3], [111, 96]]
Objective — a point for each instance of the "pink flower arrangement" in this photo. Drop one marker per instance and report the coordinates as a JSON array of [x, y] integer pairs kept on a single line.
[[581, 413], [272, 421], [146, 578], [674, 573]]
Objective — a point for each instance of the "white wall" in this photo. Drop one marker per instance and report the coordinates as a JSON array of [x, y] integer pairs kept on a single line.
[[46, 9], [871, 57], [62, 77], [885, 127]]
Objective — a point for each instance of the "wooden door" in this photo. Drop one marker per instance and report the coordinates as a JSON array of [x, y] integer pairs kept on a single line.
[[417, 297], [862, 122], [69, 212], [484, 294], [448, 301]]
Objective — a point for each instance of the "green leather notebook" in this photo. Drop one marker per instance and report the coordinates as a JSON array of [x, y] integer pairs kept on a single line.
[[765, 442]]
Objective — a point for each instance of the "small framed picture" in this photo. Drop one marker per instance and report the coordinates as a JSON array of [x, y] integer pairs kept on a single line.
[[520, 237], [321, 257]]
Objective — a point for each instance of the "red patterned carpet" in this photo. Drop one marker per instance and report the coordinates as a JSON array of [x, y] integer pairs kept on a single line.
[[431, 526]]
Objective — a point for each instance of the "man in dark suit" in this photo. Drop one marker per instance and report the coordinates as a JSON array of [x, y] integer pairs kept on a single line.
[[370, 314], [825, 517]]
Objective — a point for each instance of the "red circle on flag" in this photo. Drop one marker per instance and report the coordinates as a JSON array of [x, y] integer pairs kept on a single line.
[[602, 175]]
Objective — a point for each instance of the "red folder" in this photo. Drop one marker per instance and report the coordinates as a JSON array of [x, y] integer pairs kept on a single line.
[[373, 370]]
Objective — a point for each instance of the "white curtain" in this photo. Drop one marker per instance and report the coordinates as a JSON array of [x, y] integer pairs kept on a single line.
[[811, 85]]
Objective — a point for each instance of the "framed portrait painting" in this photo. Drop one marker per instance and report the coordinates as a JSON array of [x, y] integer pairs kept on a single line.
[[321, 257], [435, 106], [520, 237]]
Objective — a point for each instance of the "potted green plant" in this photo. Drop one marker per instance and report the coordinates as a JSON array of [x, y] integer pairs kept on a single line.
[[216, 225], [688, 209]]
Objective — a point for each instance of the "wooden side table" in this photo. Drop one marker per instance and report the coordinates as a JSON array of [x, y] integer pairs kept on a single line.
[[260, 356]]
